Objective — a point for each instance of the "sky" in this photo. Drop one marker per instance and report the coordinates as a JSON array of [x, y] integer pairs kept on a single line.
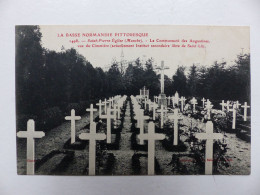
[[224, 43]]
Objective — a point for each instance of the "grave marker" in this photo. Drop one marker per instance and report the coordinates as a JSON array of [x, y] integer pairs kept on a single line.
[[108, 117], [151, 136], [194, 102], [175, 129], [91, 110], [209, 136], [105, 103], [203, 102], [182, 102], [30, 135], [245, 106], [92, 136], [234, 110], [142, 119], [176, 98], [73, 118], [100, 104], [208, 107], [238, 104], [154, 105], [228, 105], [162, 111], [223, 104]]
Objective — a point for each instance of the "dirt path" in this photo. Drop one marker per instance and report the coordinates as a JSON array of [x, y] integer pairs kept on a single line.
[[53, 140], [124, 155]]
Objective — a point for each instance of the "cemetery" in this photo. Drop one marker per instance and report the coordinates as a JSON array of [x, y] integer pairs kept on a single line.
[[140, 135], [131, 121]]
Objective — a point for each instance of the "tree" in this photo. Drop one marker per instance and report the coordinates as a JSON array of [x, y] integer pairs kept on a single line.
[[180, 81], [192, 80]]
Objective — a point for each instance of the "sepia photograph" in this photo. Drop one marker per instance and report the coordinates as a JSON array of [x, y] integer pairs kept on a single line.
[[132, 100]]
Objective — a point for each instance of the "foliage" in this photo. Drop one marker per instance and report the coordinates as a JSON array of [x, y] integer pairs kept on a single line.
[[50, 79]]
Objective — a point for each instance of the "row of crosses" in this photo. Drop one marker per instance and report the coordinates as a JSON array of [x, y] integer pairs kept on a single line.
[[151, 136]]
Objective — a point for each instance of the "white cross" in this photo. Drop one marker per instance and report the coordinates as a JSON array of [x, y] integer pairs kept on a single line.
[[194, 102], [100, 104], [108, 117], [238, 104], [137, 118], [169, 100], [145, 102], [175, 130], [234, 110], [182, 102], [162, 68], [91, 110], [151, 136], [154, 105], [176, 98], [92, 136], [111, 102], [172, 98], [245, 106], [30, 135], [203, 102], [223, 104], [117, 107], [208, 107], [142, 119], [209, 136], [73, 118], [150, 104], [162, 110], [105, 103], [228, 105], [156, 99]]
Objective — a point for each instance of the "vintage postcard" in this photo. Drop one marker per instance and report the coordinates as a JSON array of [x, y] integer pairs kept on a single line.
[[133, 100]]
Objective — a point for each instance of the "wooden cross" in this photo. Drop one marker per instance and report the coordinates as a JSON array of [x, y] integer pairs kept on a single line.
[[209, 136], [208, 107], [145, 102], [137, 113], [108, 117], [92, 136], [245, 106], [223, 104], [150, 104], [203, 102], [176, 98], [151, 136], [117, 107], [162, 68], [111, 102], [73, 118], [91, 110], [162, 110], [238, 104], [154, 105], [30, 135], [234, 110], [100, 104], [105, 103], [169, 100], [182, 102], [194, 102], [228, 105], [175, 130], [142, 118]]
